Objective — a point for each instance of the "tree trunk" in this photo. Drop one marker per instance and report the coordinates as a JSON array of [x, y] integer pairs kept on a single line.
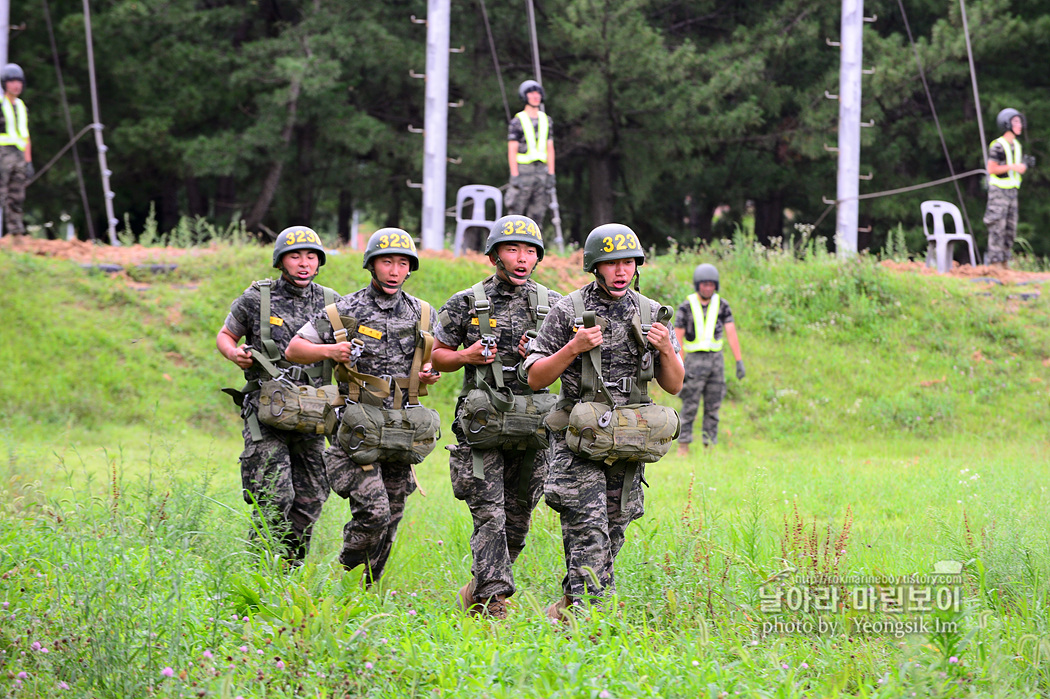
[[344, 216], [307, 137], [169, 205], [600, 169], [226, 197], [769, 218], [273, 178], [195, 198]]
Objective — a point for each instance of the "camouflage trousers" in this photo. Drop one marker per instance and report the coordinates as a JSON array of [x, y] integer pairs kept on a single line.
[[530, 195], [13, 188], [284, 476], [595, 509], [1001, 219], [501, 521], [377, 505], [704, 378]]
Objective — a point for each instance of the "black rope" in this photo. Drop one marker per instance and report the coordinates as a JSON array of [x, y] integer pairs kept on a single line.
[[495, 59]]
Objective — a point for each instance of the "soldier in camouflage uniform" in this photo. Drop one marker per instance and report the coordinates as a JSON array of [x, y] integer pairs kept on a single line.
[[501, 506], [282, 472], [700, 336], [387, 325], [1005, 165], [16, 150], [591, 497], [530, 155]]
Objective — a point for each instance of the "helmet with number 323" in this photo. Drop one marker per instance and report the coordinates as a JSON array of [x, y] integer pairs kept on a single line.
[[297, 238], [612, 241], [515, 229], [391, 241]]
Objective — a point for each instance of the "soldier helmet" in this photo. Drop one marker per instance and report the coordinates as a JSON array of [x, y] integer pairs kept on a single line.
[[530, 86], [1006, 116], [297, 238], [12, 71], [705, 273], [612, 241], [391, 241], [515, 228]]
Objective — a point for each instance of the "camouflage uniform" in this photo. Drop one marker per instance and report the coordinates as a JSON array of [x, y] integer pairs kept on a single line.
[[377, 497], [13, 188], [529, 195], [704, 376], [283, 472], [594, 503], [501, 523], [1001, 214]]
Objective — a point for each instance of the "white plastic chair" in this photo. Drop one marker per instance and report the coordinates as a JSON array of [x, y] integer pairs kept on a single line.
[[479, 195], [939, 244]]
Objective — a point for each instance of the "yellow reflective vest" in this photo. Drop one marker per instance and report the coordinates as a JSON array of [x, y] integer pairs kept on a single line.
[[16, 123], [535, 144], [1012, 179], [705, 325]]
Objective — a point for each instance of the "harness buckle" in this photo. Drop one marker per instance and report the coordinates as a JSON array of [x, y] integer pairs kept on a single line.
[[482, 305], [295, 373], [488, 344], [357, 347], [623, 384]]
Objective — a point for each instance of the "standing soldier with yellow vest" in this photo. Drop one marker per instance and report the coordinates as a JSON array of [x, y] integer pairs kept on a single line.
[[701, 321], [530, 154], [1005, 167], [16, 153]]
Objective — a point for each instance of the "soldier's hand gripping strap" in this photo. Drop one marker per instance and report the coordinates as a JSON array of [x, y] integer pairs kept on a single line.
[[374, 385], [592, 383]]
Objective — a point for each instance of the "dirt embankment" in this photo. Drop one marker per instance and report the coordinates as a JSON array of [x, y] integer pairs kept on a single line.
[[1006, 276]]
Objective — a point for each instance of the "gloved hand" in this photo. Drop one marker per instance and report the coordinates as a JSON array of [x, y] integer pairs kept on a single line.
[[740, 373], [514, 180], [30, 170], [551, 179], [1029, 161]]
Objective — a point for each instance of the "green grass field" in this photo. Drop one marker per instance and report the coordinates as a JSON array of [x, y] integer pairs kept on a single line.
[[888, 422]]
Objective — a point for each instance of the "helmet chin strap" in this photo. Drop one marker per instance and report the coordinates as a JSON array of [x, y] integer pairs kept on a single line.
[[385, 287], [605, 287], [507, 273], [293, 280]]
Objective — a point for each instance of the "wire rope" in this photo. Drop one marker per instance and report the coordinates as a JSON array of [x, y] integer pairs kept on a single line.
[[495, 59]]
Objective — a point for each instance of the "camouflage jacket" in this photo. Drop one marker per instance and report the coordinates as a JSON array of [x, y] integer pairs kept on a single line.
[[290, 307], [458, 325], [386, 324], [620, 351]]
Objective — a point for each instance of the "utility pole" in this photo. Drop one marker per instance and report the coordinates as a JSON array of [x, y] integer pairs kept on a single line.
[[849, 127], [435, 134], [5, 29]]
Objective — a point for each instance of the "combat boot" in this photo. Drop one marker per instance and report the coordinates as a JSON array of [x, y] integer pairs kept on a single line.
[[466, 601], [496, 607], [559, 610]]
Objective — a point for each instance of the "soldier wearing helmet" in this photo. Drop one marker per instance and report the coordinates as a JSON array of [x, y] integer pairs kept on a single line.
[[282, 472], [16, 150], [702, 321], [493, 322], [1006, 165], [530, 155], [382, 324], [597, 500]]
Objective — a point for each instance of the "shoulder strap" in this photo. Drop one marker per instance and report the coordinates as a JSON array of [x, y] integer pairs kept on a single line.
[[483, 310], [269, 346], [327, 365], [356, 379], [424, 346], [539, 310], [592, 383]]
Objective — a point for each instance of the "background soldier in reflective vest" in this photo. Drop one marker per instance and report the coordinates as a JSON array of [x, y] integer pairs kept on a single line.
[[281, 470], [530, 154], [16, 151], [382, 344], [700, 323], [596, 500], [1005, 166], [501, 486]]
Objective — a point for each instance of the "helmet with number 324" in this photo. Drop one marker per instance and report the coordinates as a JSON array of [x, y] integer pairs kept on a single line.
[[391, 241], [612, 241], [297, 238], [515, 229]]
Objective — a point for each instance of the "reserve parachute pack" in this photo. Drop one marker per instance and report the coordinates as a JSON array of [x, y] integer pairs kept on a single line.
[[369, 433], [287, 400], [493, 417], [596, 428]]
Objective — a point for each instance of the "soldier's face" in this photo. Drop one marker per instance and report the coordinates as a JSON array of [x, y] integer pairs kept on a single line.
[[14, 87], [391, 271], [300, 266], [519, 259], [534, 98], [617, 275], [707, 289], [1017, 125]]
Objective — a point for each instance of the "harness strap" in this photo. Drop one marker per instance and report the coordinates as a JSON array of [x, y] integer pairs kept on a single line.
[[424, 346], [327, 366], [592, 383], [357, 380], [269, 346]]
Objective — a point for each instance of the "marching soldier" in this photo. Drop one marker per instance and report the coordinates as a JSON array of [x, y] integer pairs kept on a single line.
[[378, 331], [605, 342], [702, 320], [500, 477], [282, 471]]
